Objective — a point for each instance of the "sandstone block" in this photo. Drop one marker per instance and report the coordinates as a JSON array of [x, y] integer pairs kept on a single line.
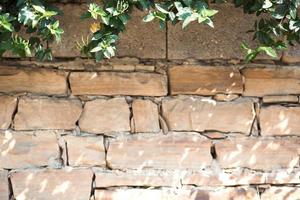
[[145, 116], [205, 80], [150, 194], [52, 184], [85, 151], [147, 178], [40, 81], [279, 193], [271, 81], [117, 83], [4, 193], [104, 116], [258, 153], [280, 120], [202, 114], [20, 150], [47, 113], [280, 99], [7, 107], [172, 151]]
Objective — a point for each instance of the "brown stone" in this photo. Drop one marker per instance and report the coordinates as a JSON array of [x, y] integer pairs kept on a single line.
[[292, 55], [283, 177], [142, 178], [280, 99], [237, 193], [205, 80], [258, 153], [202, 114], [142, 40], [117, 83], [47, 113], [52, 184], [145, 116], [271, 81], [225, 97], [4, 193], [20, 150], [104, 116], [280, 120], [41, 81], [172, 151], [85, 151], [199, 41], [280, 193], [7, 107], [220, 178], [74, 30]]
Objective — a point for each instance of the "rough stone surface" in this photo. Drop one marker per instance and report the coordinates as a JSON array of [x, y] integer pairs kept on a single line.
[[280, 193], [20, 150], [292, 55], [280, 120], [240, 177], [47, 113], [150, 194], [145, 116], [85, 151], [202, 42], [41, 81], [205, 80], [135, 178], [7, 107], [200, 114], [104, 116], [225, 97], [52, 184], [271, 81], [114, 83], [280, 99], [74, 30], [4, 193], [258, 153], [172, 151], [142, 40]]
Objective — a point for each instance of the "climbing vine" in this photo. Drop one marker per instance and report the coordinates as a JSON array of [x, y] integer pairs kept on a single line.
[[28, 26]]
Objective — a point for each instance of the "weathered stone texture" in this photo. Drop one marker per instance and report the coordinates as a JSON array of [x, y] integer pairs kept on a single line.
[[202, 42], [104, 116], [292, 55], [258, 153], [20, 150], [200, 114], [280, 120], [85, 151], [74, 30], [142, 40], [135, 178], [145, 116], [47, 113], [41, 81], [205, 80], [172, 151], [4, 192], [7, 107], [51, 184], [280, 193], [240, 177], [271, 81], [150, 194], [280, 99], [114, 83]]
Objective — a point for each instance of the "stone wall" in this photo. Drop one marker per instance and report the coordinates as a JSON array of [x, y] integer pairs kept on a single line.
[[176, 116]]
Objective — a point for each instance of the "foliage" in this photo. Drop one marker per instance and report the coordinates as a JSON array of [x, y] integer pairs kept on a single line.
[[278, 23]]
